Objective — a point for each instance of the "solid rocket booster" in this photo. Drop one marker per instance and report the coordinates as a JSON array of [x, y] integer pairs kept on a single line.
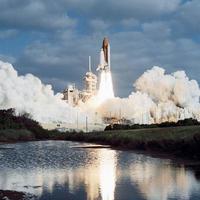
[[104, 63], [102, 58]]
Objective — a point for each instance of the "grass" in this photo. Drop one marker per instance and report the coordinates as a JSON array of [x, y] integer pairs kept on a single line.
[[15, 135], [167, 133], [181, 141], [170, 133]]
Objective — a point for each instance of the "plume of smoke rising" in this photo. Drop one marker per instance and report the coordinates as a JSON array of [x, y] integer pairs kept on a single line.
[[106, 87], [28, 94], [158, 97]]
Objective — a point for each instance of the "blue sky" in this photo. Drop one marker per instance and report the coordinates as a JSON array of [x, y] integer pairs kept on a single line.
[[53, 39]]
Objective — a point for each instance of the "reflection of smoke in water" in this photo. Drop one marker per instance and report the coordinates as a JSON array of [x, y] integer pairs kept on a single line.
[[106, 87]]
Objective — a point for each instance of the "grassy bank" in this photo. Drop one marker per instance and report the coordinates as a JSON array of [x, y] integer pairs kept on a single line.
[[22, 128], [180, 141]]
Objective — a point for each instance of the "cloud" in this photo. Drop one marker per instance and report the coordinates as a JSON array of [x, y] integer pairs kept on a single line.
[[4, 34], [21, 14], [132, 53], [188, 16], [128, 23], [115, 10], [7, 58], [27, 94], [98, 25], [156, 30], [142, 33], [66, 59]]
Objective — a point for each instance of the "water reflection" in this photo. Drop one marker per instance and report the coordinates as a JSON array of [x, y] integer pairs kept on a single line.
[[107, 174], [98, 178], [62, 172], [32, 181], [161, 180]]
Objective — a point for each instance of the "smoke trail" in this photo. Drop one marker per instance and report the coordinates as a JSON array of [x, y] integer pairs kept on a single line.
[[106, 87], [158, 97]]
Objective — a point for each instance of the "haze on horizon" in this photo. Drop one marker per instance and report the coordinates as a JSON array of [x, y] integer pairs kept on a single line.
[[53, 40]]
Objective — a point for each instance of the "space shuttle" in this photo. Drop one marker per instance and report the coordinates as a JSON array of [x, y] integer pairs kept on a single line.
[[104, 64]]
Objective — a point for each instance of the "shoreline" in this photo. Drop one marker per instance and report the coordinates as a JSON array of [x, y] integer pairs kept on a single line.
[[178, 142]]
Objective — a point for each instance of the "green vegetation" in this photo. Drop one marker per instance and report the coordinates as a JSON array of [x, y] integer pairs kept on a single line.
[[22, 128], [185, 122], [181, 141], [15, 135]]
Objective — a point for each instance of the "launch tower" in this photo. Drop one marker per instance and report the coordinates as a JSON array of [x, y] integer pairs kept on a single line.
[[105, 90], [90, 80]]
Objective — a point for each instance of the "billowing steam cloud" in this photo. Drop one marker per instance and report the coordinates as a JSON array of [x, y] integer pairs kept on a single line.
[[159, 97], [28, 94]]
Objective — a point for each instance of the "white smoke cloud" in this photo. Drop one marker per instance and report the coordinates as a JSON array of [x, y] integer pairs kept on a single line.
[[28, 94], [162, 87], [158, 97]]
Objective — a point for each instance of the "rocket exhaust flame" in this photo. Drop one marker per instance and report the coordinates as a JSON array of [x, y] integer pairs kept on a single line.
[[106, 87]]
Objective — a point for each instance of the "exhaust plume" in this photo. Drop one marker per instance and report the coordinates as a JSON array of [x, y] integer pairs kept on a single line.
[[106, 87]]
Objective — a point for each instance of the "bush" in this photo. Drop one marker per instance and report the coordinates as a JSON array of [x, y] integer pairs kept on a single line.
[[14, 135], [20, 127], [185, 122]]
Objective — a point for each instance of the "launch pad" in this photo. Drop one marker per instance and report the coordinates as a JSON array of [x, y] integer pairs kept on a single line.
[[101, 87]]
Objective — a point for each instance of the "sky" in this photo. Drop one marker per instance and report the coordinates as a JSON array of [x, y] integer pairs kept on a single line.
[[53, 39]]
